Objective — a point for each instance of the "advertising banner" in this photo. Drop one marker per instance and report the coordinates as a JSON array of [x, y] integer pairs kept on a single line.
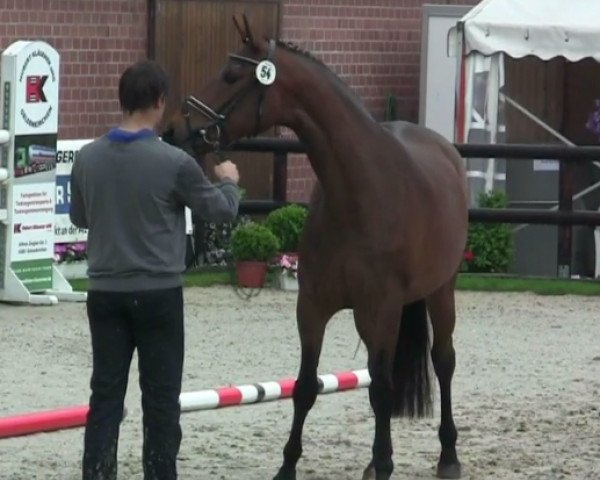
[[64, 230], [30, 81]]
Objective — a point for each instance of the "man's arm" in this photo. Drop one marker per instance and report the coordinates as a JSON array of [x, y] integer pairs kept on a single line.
[[77, 209], [212, 203]]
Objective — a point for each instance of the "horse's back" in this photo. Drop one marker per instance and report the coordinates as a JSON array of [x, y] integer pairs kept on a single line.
[[413, 137]]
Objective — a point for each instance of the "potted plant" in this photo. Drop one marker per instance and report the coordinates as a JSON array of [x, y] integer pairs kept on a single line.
[[287, 223], [288, 273], [252, 246], [71, 259]]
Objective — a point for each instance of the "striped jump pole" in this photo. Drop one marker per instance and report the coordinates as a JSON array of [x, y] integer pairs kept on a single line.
[[72, 417], [46, 421], [268, 391]]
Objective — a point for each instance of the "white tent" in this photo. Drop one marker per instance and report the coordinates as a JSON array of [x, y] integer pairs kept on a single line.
[[545, 29], [545, 38]]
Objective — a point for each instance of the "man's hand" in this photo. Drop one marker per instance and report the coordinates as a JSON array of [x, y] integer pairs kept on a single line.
[[227, 169]]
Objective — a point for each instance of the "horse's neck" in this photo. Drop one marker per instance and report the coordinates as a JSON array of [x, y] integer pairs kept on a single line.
[[333, 126]]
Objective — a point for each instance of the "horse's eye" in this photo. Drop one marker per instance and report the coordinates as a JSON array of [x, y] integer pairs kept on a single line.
[[231, 75]]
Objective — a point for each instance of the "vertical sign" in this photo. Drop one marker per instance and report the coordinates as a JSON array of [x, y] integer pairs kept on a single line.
[[30, 80]]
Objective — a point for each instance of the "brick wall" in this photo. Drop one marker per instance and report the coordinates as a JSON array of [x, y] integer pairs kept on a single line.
[[374, 45], [96, 39]]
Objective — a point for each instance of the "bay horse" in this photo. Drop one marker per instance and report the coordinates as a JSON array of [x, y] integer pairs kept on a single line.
[[385, 234]]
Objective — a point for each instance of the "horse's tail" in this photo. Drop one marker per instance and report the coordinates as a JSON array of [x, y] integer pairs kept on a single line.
[[411, 372]]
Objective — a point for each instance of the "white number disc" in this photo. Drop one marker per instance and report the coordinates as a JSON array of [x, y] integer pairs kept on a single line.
[[266, 72]]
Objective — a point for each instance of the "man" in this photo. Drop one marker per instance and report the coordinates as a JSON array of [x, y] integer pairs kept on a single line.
[[129, 189]]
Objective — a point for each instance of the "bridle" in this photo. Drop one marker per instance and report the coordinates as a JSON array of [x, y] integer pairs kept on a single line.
[[213, 133]]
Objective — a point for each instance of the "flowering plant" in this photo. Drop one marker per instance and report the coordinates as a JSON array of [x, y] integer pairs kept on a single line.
[[593, 123], [468, 257], [289, 264], [70, 252]]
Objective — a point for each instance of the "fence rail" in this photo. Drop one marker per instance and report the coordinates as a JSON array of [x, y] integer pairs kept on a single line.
[[564, 218], [472, 150], [481, 215]]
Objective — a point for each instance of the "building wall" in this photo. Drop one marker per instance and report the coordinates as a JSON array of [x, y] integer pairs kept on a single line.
[[374, 45], [97, 39]]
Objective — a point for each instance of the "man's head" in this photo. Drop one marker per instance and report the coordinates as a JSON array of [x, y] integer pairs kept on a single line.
[[143, 88]]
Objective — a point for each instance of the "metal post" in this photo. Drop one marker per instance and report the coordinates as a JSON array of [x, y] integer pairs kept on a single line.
[[280, 177], [565, 232]]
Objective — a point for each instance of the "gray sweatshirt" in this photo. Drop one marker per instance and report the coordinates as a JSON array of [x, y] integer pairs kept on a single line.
[[129, 191]]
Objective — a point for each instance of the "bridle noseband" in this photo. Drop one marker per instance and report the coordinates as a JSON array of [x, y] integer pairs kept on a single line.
[[212, 134]]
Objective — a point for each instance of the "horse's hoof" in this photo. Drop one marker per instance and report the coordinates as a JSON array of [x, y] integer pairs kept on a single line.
[[369, 473], [448, 470], [285, 474]]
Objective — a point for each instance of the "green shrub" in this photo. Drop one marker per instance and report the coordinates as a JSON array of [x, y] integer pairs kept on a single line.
[[287, 224], [252, 241], [491, 243]]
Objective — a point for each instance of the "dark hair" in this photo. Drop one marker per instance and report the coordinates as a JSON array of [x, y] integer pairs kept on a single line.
[[142, 85]]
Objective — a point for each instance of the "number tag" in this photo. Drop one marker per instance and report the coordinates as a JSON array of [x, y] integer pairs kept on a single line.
[[266, 72]]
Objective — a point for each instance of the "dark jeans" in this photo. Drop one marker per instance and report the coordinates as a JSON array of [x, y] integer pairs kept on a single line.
[[152, 322]]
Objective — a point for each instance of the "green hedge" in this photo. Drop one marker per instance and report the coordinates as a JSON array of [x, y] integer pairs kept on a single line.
[[490, 244]]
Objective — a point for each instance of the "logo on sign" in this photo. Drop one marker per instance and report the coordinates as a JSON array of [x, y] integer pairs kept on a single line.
[[38, 79], [35, 89]]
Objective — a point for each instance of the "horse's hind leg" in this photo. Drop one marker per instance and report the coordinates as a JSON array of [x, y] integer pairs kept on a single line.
[[379, 329], [442, 313], [311, 328]]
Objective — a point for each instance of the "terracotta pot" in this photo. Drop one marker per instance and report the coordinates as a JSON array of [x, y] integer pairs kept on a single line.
[[251, 274]]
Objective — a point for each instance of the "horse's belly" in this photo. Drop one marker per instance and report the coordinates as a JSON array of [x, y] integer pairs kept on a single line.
[[436, 257]]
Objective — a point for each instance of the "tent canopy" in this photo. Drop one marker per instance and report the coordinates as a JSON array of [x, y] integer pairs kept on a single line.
[[542, 28]]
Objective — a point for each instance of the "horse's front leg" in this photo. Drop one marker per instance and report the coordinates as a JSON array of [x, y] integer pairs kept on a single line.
[[311, 327]]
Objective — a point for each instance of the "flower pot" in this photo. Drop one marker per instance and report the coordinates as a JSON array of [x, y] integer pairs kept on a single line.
[[287, 281], [251, 274], [73, 270]]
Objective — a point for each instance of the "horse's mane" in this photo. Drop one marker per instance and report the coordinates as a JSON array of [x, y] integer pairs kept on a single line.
[[348, 93], [295, 48]]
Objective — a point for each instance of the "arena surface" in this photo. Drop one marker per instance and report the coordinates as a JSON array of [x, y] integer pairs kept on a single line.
[[526, 392]]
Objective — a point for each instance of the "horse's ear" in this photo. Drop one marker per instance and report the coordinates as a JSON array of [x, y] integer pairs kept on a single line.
[[243, 34], [248, 29]]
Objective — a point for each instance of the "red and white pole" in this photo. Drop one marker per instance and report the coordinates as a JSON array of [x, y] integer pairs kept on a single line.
[[268, 391], [71, 417]]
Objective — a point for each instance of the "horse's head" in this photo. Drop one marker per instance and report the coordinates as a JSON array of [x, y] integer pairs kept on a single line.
[[240, 101]]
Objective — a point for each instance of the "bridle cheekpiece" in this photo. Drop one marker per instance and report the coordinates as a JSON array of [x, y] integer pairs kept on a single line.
[[212, 134]]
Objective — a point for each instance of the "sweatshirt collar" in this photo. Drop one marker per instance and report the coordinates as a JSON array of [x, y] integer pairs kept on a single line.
[[118, 135]]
